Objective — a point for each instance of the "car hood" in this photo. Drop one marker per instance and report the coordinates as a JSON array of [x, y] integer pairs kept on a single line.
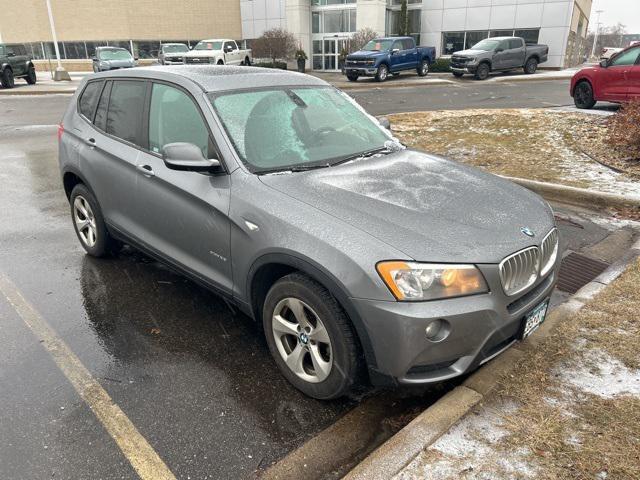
[[364, 54], [469, 53], [119, 63], [431, 209], [201, 53]]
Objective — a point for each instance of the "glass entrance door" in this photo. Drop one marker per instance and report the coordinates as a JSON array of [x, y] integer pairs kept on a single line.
[[330, 48]]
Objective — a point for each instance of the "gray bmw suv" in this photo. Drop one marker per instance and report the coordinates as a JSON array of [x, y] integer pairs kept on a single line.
[[277, 191]]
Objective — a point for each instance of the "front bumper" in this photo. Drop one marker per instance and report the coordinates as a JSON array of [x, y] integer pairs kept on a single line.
[[361, 71], [463, 69], [481, 327]]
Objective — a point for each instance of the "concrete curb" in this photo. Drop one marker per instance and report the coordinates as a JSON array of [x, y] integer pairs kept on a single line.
[[22, 93], [577, 196], [392, 456]]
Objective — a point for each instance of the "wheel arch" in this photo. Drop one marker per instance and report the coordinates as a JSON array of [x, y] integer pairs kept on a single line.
[[582, 80], [70, 178], [269, 268]]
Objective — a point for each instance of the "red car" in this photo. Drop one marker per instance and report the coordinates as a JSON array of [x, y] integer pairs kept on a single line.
[[614, 80]]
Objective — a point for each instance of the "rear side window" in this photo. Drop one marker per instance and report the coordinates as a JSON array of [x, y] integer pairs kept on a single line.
[[408, 44], [89, 99], [174, 117], [101, 112], [124, 117]]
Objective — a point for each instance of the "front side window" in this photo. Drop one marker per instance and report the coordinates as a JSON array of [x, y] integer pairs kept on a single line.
[[100, 120], [626, 58], [230, 44], [174, 117], [114, 54], [124, 116], [288, 127], [89, 98], [208, 46]]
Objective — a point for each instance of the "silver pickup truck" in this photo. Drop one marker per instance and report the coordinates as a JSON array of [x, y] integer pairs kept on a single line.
[[498, 54]]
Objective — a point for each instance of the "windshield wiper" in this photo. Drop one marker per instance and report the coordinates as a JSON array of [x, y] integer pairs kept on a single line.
[[369, 153], [295, 168]]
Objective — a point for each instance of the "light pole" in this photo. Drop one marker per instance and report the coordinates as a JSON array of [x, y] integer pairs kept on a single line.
[[595, 38], [60, 73]]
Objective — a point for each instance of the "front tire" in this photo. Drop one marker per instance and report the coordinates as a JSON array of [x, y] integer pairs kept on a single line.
[[246, 62], [310, 337], [382, 74], [423, 69], [7, 79], [352, 77], [458, 74], [583, 95], [531, 66], [482, 73], [220, 62], [31, 77], [89, 225]]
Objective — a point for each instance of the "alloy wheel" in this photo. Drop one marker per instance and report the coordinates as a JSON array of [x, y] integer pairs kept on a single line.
[[302, 340], [85, 221], [425, 68]]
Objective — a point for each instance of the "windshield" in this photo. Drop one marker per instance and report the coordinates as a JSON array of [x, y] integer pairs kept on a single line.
[[486, 45], [280, 129], [115, 54], [208, 46], [175, 48], [378, 45]]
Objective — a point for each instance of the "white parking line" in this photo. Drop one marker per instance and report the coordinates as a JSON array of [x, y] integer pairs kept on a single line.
[[143, 458]]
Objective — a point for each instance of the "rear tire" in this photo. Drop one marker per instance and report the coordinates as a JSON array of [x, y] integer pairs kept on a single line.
[[383, 73], [482, 73], [583, 95], [423, 69], [247, 62], [352, 77], [89, 224], [7, 79], [31, 77], [531, 66], [323, 343]]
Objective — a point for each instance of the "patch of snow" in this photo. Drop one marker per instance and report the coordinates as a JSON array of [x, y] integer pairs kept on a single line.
[[609, 378]]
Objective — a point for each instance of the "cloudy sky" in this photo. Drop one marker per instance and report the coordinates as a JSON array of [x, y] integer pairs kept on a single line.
[[626, 12]]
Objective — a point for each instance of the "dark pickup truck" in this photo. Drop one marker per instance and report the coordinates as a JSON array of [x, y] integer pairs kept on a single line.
[[15, 62], [383, 56], [498, 54]]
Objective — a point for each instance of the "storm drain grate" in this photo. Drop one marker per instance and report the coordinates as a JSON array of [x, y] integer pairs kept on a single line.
[[577, 270]]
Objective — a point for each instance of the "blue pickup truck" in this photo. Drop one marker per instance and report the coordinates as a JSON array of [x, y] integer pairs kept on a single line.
[[383, 56]]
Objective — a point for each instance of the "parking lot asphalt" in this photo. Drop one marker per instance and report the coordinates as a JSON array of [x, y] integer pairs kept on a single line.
[[196, 381]]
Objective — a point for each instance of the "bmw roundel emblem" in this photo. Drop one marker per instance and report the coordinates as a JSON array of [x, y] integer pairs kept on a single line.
[[528, 232]]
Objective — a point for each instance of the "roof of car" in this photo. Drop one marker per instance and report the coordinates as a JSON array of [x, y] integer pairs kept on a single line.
[[108, 47], [215, 78], [216, 40]]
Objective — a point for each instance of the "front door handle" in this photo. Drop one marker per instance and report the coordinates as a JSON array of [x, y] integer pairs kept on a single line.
[[146, 170], [91, 142]]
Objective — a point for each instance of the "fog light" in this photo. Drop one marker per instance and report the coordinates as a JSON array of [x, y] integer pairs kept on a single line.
[[437, 330]]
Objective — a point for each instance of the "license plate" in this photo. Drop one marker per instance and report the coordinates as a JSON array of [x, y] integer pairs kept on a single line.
[[534, 319]]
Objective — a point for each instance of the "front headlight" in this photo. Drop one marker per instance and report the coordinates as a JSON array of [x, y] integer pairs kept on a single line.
[[426, 281]]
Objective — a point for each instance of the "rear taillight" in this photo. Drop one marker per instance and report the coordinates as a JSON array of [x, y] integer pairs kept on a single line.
[[60, 131]]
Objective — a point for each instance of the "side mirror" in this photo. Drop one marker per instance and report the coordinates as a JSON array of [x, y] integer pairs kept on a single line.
[[499, 50], [394, 51], [136, 59], [11, 54], [229, 48], [94, 59], [604, 63], [187, 157], [384, 121]]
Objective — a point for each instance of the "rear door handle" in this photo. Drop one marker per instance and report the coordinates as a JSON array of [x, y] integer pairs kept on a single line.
[[146, 170], [90, 141]]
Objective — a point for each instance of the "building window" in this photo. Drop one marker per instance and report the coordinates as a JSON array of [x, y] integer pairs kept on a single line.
[[74, 50], [414, 20], [333, 21], [501, 33], [452, 42], [530, 35]]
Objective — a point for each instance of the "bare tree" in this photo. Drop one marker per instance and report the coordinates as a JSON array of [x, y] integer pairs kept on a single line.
[[276, 43], [403, 27], [361, 38]]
